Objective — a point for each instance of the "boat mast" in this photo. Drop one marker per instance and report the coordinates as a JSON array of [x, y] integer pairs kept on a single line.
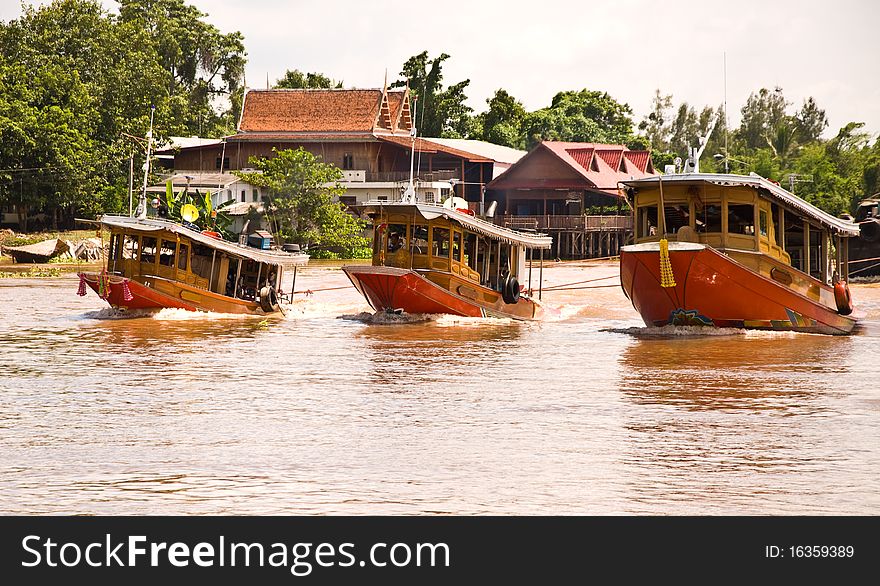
[[142, 201], [409, 196]]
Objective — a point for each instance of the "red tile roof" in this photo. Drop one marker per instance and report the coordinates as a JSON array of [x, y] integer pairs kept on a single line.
[[601, 166], [318, 110]]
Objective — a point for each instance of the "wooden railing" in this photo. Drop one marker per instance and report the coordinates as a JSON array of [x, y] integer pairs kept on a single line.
[[394, 176], [569, 223]]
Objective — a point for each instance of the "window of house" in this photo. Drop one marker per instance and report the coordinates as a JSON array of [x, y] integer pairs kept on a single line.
[[347, 200], [429, 197], [243, 195], [224, 162], [256, 195], [741, 219], [347, 161]]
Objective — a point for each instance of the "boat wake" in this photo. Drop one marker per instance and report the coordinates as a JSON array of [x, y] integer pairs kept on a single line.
[[311, 308], [440, 320]]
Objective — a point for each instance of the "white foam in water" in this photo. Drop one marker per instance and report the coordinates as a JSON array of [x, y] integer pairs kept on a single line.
[[457, 321], [174, 314], [312, 308]]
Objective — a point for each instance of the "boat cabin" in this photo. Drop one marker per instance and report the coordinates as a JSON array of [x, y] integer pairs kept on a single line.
[[163, 251], [750, 219], [440, 241]]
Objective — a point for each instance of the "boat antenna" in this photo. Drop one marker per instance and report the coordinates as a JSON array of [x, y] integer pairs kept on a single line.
[[726, 125], [141, 212], [409, 196]]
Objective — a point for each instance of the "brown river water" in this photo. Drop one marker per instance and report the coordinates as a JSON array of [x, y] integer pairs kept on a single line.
[[328, 411]]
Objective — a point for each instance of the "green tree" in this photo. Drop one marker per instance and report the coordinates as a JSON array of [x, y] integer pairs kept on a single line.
[[583, 116], [204, 65], [656, 126], [296, 79], [502, 122], [301, 202], [761, 113], [439, 113], [811, 122]]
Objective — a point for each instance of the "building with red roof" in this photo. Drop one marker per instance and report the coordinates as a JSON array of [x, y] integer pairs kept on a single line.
[[364, 132], [570, 189]]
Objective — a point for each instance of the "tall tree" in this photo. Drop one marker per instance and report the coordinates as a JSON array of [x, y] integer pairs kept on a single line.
[[811, 122], [760, 115], [303, 190], [656, 126], [583, 116], [439, 113], [296, 79], [502, 122], [205, 66]]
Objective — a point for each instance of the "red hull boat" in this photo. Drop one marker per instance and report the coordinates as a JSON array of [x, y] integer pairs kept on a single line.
[[735, 251], [714, 289], [429, 259]]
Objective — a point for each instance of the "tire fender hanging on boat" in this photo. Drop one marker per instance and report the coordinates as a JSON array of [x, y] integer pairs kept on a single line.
[[269, 299], [843, 298], [510, 291]]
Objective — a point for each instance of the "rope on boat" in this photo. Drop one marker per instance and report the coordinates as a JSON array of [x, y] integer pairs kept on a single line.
[[586, 287], [568, 285], [667, 277], [852, 262], [312, 291], [868, 268]]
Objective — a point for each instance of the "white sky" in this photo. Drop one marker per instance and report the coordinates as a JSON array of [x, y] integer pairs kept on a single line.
[[826, 49]]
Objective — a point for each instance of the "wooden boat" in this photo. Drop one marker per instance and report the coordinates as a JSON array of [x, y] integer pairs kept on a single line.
[[37, 253], [431, 259], [155, 263], [735, 251]]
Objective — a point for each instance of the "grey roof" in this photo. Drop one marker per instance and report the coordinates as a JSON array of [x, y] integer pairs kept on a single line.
[[156, 225], [496, 152], [430, 212], [838, 225]]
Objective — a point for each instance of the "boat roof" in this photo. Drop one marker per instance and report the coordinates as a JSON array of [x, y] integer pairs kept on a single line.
[[838, 225], [431, 212], [273, 257]]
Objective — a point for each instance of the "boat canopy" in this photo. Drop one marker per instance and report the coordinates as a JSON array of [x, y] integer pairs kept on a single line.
[[766, 187], [271, 257], [478, 225]]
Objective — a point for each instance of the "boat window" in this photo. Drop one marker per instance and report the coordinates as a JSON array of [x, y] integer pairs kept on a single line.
[[182, 256], [166, 253], [647, 221], [202, 259], [774, 216], [456, 246], [440, 242], [396, 237], [762, 226], [148, 250], [676, 217], [470, 250], [741, 219], [419, 239], [708, 218], [114, 246], [130, 247]]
